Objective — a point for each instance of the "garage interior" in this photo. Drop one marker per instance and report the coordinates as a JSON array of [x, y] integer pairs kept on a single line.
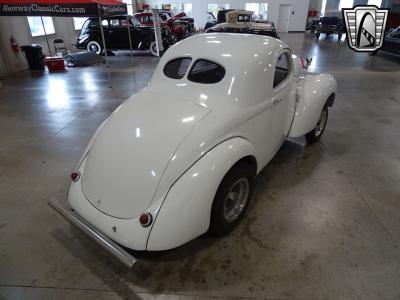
[[323, 223]]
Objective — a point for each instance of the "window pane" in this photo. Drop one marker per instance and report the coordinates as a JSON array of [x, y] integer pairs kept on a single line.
[[375, 2], [78, 23], [215, 8], [36, 26], [346, 4], [188, 9], [129, 6], [281, 70], [260, 10], [205, 71], [114, 23], [176, 8], [177, 68]]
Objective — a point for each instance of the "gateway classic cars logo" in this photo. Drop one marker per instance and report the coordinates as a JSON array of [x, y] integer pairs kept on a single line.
[[365, 27]]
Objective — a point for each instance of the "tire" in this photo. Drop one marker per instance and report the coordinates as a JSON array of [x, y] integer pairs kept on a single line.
[[315, 134], [339, 37], [373, 53], [317, 35], [94, 46], [153, 48], [225, 213]]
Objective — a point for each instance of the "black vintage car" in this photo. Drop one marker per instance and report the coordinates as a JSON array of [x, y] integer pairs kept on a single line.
[[328, 26], [391, 43], [116, 35]]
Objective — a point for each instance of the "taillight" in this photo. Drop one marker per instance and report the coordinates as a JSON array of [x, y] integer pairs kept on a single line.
[[146, 219], [75, 176]]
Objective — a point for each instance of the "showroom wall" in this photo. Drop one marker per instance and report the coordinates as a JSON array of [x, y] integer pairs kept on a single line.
[[19, 28], [298, 7]]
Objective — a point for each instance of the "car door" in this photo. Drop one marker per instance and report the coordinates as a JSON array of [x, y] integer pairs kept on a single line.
[[118, 35], [282, 99]]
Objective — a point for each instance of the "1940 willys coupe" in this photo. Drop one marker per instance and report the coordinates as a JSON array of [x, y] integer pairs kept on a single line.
[[180, 158]]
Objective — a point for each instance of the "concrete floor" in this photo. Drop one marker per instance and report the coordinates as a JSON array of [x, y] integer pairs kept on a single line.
[[324, 222]]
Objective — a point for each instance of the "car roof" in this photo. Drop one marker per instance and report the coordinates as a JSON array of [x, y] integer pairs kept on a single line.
[[221, 46]]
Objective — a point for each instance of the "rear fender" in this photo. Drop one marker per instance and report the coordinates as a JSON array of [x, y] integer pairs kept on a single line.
[[314, 91], [185, 212]]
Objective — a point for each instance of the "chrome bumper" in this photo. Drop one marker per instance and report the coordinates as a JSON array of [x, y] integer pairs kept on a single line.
[[112, 247]]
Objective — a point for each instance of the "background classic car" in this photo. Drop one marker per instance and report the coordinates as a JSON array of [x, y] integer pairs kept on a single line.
[[116, 35], [391, 43], [240, 21], [156, 179]]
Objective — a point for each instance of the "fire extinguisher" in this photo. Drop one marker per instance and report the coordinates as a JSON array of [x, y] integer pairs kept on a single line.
[[14, 45]]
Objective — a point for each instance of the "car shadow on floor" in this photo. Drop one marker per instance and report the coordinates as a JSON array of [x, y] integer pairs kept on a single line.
[[205, 262]]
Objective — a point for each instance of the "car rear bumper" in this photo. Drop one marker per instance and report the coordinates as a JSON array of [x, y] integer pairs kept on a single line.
[[112, 247]]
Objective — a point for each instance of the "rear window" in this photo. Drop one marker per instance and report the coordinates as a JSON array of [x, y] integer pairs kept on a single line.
[[205, 71], [176, 69]]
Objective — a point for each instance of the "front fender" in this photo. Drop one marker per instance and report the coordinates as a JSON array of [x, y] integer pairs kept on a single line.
[[185, 212], [313, 93]]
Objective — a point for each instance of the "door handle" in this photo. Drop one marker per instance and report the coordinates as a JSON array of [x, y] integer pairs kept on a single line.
[[276, 101]]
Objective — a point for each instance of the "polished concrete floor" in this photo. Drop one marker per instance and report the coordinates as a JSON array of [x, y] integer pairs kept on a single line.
[[324, 222]]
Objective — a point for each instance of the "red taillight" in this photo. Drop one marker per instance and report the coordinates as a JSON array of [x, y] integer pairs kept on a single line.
[[75, 176], [146, 219]]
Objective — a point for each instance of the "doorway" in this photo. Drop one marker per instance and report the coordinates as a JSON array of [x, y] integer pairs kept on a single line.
[[283, 18]]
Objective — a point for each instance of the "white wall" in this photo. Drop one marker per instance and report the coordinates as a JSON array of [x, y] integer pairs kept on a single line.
[[19, 28], [297, 21]]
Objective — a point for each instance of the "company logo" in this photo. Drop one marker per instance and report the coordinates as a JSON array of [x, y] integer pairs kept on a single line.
[[365, 27]]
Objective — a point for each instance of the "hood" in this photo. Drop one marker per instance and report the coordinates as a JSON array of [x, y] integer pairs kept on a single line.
[[131, 152]]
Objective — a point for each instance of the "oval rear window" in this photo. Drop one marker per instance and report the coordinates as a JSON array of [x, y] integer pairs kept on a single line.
[[205, 71], [176, 69]]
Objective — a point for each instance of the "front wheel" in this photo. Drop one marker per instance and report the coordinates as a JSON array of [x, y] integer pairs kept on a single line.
[[232, 199], [317, 35], [94, 46], [315, 134]]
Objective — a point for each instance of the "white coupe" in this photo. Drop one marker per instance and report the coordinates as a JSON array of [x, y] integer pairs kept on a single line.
[[180, 158]]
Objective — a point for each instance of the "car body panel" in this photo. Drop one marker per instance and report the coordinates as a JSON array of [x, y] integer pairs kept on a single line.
[[187, 207], [120, 151], [314, 91]]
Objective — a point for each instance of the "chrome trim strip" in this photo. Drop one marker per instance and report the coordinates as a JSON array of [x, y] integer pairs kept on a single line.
[[112, 247]]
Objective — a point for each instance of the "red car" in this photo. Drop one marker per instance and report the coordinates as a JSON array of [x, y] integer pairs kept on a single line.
[[178, 31]]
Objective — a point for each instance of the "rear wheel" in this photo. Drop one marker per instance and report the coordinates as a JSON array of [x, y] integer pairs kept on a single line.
[[232, 198], [94, 46], [315, 134], [317, 35]]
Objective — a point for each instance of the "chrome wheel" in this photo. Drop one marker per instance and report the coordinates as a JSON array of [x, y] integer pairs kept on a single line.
[[236, 200], [321, 123], [94, 46], [153, 48]]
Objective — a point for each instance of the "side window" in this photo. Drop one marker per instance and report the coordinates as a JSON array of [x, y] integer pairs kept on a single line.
[[114, 22], [176, 69], [205, 71], [135, 22], [94, 24], [281, 69]]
